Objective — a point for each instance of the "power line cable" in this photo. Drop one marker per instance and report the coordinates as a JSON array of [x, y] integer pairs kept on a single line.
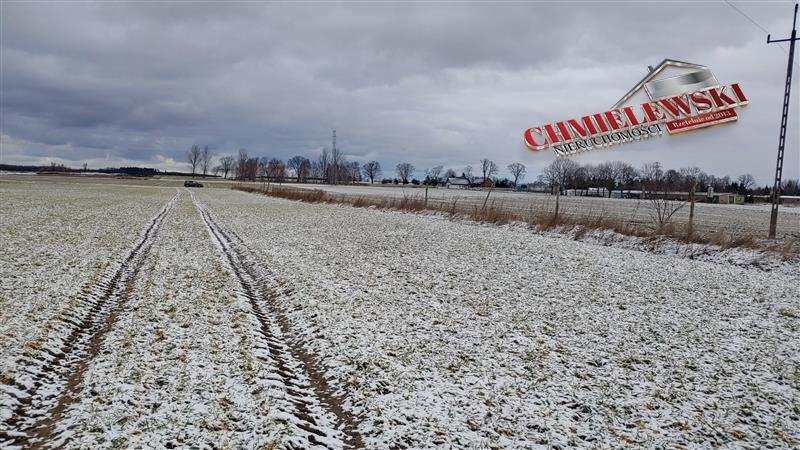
[[747, 17], [780, 45]]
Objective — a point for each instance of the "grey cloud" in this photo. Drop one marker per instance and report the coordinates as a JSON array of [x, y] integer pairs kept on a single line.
[[431, 83]]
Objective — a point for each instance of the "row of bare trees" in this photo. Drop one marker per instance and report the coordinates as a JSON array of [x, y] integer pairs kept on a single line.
[[619, 175], [251, 168], [331, 167], [437, 174], [199, 158], [651, 179], [201, 161]]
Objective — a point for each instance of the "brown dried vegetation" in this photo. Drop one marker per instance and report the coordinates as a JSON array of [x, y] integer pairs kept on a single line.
[[539, 220]]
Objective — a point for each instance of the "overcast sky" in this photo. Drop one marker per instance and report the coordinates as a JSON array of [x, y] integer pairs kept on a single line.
[[434, 84]]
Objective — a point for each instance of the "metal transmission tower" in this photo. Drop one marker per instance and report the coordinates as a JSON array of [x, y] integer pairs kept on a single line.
[[776, 189]]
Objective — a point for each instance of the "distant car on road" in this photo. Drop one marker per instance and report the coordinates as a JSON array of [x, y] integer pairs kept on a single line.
[[192, 183]]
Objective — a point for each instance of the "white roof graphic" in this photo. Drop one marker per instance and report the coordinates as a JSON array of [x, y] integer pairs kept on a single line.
[[654, 71]]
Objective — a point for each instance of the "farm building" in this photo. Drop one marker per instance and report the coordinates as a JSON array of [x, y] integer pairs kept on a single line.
[[482, 183], [793, 200], [457, 183], [728, 198], [590, 192]]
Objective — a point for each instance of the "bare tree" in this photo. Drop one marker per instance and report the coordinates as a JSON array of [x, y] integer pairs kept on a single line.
[[468, 174], [623, 173], [251, 169], [275, 170], [663, 208], [304, 170], [355, 171], [263, 173], [372, 170], [449, 173], [557, 174], [654, 181], [790, 187], [85, 167], [517, 171], [57, 167], [324, 163], [692, 176], [246, 168], [300, 166], [746, 182], [488, 168], [316, 170], [205, 160], [723, 184], [672, 180], [404, 171], [434, 173], [293, 164], [193, 157], [337, 158], [241, 164], [226, 165], [651, 176], [603, 175]]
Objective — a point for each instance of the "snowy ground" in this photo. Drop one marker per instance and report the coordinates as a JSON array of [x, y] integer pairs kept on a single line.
[[457, 334], [177, 367], [735, 219], [247, 321], [57, 239]]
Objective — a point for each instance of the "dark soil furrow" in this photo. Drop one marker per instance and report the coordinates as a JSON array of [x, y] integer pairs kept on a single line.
[[50, 375], [319, 418]]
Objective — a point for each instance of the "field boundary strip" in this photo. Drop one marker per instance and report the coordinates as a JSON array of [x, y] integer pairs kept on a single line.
[[306, 402], [50, 374], [669, 239]]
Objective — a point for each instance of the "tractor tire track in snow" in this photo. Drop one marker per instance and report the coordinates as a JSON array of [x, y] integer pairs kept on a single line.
[[50, 373], [306, 404]]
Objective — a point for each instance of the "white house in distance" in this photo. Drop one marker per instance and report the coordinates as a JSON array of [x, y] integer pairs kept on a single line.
[[457, 183]]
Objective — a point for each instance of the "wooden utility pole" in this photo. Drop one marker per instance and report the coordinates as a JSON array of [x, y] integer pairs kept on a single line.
[[776, 188]]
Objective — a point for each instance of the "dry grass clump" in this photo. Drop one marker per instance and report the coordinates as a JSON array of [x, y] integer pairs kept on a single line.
[[580, 226], [497, 216], [362, 202], [303, 195], [408, 204]]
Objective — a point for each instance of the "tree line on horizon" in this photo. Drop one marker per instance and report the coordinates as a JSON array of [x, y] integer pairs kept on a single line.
[[563, 174], [332, 167]]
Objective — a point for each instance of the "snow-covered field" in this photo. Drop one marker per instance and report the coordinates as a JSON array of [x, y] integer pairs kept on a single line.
[[228, 319], [735, 219], [177, 367], [58, 239]]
